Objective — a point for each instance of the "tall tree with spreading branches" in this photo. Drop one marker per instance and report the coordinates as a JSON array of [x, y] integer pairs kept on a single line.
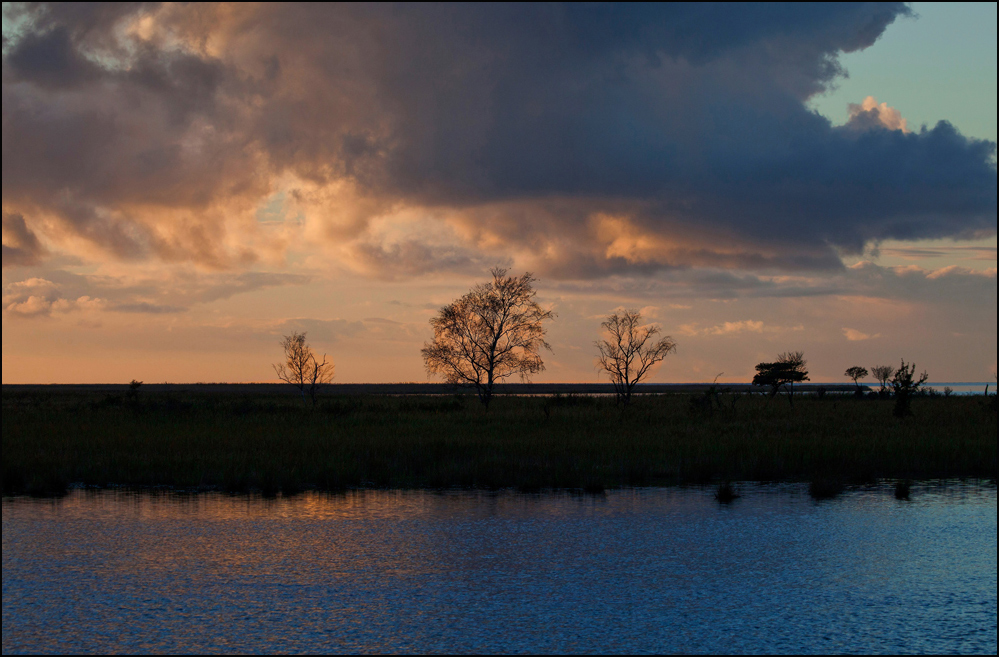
[[630, 351], [301, 368], [493, 332]]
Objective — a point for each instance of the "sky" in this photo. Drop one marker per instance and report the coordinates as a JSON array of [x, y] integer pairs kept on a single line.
[[183, 185]]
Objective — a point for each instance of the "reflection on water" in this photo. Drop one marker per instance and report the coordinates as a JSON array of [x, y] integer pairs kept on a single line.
[[637, 571]]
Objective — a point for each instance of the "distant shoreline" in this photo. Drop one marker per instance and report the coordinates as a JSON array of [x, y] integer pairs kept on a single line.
[[423, 388]]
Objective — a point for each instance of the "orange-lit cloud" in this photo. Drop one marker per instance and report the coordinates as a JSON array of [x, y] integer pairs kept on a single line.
[[870, 114], [375, 141], [37, 297], [735, 328], [20, 246], [857, 336]]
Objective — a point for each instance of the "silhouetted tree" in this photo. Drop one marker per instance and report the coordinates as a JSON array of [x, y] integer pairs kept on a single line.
[[491, 333], [301, 367], [857, 373], [905, 385], [788, 369], [883, 374], [631, 352]]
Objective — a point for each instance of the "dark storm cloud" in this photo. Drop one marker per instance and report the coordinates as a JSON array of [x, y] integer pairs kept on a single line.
[[51, 59], [688, 119]]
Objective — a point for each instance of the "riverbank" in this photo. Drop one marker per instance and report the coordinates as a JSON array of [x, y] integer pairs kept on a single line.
[[271, 443]]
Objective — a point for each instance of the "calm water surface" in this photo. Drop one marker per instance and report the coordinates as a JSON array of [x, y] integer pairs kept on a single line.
[[637, 571]]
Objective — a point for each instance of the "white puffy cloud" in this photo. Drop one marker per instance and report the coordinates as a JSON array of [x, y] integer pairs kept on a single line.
[[37, 297], [869, 114]]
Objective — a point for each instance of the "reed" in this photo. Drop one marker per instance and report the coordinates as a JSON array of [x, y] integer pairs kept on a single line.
[[271, 444]]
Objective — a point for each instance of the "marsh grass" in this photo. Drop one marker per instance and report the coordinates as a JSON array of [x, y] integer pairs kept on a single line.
[[272, 445]]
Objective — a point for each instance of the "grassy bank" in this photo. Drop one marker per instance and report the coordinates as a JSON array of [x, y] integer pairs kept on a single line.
[[267, 443]]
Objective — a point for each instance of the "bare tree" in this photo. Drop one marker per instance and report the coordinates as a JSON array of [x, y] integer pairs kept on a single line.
[[883, 374], [631, 352], [857, 373], [788, 369], [301, 367], [491, 333]]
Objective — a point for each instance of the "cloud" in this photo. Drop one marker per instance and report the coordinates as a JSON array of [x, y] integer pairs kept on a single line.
[[144, 307], [856, 336], [20, 246], [979, 253], [870, 116], [735, 328], [864, 287], [584, 141], [170, 292], [37, 297], [335, 331]]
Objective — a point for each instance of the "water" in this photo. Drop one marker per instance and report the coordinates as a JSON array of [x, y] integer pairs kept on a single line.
[[633, 571], [963, 388]]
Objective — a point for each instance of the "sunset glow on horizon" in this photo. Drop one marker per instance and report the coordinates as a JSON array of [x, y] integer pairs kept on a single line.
[[184, 185]]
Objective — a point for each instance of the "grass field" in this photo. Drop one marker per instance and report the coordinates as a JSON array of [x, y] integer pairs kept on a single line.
[[270, 443]]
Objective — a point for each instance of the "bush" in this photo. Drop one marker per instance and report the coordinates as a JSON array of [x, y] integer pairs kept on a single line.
[[905, 386], [726, 493], [825, 489]]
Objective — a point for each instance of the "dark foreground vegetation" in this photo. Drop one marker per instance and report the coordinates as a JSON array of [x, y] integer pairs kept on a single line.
[[274, 443]]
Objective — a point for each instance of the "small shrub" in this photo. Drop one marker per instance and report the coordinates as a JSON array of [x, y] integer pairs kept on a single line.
[[905, 386], [710, 400], [235, 483], [13, 481], [726, 493], [133, 391], [47, 485], [825, 489]]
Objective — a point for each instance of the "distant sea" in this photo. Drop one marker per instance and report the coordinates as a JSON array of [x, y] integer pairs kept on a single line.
[[964, 388]]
